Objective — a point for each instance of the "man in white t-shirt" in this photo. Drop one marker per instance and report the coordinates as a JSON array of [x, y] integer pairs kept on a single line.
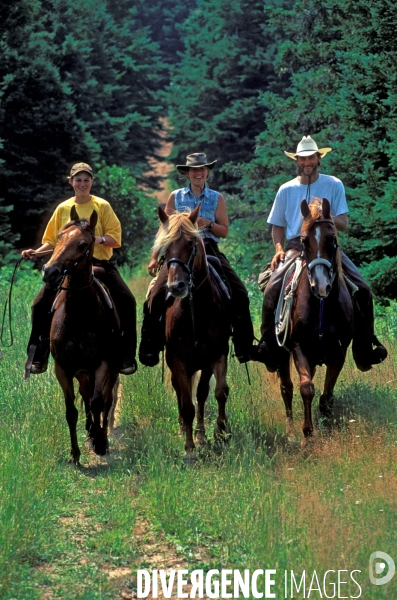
[[286, 220]]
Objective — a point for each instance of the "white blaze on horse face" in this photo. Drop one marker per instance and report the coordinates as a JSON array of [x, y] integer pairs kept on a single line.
[[73, 232], [320, 274]]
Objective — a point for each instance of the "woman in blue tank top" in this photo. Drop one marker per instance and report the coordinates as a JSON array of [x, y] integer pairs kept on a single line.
[[213, 222]]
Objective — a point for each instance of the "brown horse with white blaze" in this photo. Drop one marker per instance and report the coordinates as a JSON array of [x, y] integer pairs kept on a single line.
[[84, 331], [321, 323], [197, 324]]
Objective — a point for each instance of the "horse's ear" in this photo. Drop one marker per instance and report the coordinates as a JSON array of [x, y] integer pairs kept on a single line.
[[162, 214], [93, 220], [326, 209], [194, 214], [305, 209], [73, 214]]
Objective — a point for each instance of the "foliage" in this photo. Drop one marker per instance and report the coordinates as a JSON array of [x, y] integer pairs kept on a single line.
[[78, 82], [135, 210], [213, 96], [262, 501], [341, 62]]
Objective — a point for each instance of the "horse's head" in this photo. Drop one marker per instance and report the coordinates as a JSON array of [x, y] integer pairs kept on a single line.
[[179, 241], [319, 246], [74, 249]]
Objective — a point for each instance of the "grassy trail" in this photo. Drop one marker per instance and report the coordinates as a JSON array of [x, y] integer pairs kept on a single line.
[[262, 503]]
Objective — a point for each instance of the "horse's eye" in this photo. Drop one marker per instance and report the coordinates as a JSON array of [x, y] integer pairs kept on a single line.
[[83, 245]]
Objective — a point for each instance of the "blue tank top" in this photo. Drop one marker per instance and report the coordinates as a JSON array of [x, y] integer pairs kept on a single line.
[[185, 201]]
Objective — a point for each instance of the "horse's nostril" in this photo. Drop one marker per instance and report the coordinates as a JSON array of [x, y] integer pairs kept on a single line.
[[181, 285]]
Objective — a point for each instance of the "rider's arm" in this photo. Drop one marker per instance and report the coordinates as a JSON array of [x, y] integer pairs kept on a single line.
[[220, 227], [278, 235], [109, 241], [341, 222], [31, 254]]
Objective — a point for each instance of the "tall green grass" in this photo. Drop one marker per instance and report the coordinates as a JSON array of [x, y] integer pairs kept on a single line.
[[261, 502]]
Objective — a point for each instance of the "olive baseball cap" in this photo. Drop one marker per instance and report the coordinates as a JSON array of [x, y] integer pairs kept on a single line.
[[79, 167]]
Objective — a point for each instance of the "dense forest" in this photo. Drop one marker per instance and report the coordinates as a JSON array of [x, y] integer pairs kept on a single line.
[[241, 80]]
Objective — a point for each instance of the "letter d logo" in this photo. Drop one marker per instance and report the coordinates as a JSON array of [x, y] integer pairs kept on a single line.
[[378, 558]]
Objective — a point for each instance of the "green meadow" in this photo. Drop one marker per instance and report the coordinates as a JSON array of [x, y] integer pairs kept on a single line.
[[262, 502]]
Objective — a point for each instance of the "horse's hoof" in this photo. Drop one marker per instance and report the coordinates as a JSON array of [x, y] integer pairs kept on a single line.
[[307, 441], [190, 459], [201, 439], [222, 435]]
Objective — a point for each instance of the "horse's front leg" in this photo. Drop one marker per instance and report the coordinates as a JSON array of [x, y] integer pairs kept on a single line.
[[182, 384], [86, 391], [100, 405], [222, 429], [287, 389], [203, 389], [331, 377], [306, 389], [66, 383]]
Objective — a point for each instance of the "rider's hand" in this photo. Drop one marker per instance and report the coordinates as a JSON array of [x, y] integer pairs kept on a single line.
[[153, 267], [202, 222], [277, 258], [28, 254]]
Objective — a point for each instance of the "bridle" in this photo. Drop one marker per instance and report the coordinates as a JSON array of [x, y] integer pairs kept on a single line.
[[186, 266], [71, 270], [321, 261], [331, 273]]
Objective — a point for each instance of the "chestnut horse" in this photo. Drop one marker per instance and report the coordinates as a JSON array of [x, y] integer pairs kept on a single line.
[[321, 323], [197, 325], [84, 331]]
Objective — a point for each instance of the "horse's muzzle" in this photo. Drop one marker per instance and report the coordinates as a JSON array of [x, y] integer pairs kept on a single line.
[[178, 289], [51, 275]]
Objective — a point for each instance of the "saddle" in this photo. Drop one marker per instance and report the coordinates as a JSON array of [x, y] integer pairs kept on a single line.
[[221, 283]]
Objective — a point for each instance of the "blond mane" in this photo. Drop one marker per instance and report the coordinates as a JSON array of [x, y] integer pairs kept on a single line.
[[177, 224]]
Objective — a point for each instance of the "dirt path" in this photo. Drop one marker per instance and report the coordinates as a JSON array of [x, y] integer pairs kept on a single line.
[[162, 168]]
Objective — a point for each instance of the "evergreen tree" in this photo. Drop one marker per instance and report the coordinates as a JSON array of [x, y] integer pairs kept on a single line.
[[214, 91], [341, 62], [78, 83]]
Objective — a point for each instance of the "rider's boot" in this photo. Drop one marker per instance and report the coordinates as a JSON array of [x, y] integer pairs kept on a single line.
[[243, 335], [128, 364], [37, 361], [367, 352], [152, 338], [267, 354]]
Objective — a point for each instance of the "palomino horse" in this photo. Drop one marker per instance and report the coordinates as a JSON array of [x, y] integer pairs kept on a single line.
[[84, 331], [197, 325], [321, 324]]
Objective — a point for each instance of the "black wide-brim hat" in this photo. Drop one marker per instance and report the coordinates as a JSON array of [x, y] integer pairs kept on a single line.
[[198, 159]]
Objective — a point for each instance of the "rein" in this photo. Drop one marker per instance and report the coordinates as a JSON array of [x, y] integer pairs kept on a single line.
[[188, 267], [8, 303]]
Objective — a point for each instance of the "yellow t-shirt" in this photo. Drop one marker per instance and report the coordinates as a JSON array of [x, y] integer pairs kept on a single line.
[[108, 223]]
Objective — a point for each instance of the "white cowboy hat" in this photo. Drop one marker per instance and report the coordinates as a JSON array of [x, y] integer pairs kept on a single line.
[[306, 147]]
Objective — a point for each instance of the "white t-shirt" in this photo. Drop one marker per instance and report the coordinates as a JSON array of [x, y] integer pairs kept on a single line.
[[286, 209]]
